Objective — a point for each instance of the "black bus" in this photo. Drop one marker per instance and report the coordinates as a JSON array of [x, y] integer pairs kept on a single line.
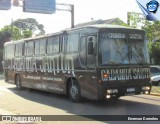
[[95, 61]]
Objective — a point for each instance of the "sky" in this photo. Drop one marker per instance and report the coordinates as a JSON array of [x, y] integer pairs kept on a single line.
[[85, 11]]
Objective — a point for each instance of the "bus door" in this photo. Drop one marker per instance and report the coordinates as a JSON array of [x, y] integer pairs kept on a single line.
[[91, 52], [88, 53]]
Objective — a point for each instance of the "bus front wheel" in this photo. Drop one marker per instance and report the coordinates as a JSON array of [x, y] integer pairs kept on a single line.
[[74, 90], [18, 82]]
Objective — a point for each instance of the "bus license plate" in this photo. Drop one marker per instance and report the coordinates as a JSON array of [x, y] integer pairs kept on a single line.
[[130, 90]]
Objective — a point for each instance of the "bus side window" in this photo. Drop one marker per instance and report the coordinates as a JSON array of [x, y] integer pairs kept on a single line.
[[37, 46], [53, 45], [18, 50], [91, 50], [63, 43], [72, 42], [83, 51], [91, 45], [11, 49], [6, 52], [29, 48], [42, 48]]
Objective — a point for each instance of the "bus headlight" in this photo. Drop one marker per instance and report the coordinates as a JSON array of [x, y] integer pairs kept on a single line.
[[108, 96], [146, 88], [146, 92], [110, 91]]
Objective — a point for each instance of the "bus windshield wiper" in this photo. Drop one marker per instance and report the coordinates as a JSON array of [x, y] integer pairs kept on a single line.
[[130, 55], [137, 57]]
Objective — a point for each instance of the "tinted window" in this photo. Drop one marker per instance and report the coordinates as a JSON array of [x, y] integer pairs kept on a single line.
[[37, 46], [72, 43], [9, 51], [53, 45], [29, 48], [83, 50], [40, 46], [18, 50]]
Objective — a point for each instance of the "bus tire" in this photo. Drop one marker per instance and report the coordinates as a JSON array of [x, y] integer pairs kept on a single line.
[[74, 91], [18, 82]]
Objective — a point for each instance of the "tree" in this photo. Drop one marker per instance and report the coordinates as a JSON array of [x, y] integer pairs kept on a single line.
[[11, 32], [152, 32], [154, 51], [29, 24], [19, 29], [27, 33], [135, 20], [119, 22], [4, 37]]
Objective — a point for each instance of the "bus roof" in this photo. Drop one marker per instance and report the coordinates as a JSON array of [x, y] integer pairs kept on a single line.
[[32, 38], [102, 26], [96, 26]]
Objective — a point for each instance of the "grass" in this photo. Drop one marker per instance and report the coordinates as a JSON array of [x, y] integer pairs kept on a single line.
[[155, 89]]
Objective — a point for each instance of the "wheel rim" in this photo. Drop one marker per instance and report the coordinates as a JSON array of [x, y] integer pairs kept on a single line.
[[73, 91]]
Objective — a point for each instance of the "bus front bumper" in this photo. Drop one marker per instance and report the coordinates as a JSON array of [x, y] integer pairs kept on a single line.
[[116, 92]]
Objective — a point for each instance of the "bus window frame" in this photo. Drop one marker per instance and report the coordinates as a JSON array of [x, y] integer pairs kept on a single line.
[[17, 53], [78, 39], [26, 48], [52, 50]]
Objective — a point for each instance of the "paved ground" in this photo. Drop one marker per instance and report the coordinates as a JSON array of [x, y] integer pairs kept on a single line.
[[33, 102]]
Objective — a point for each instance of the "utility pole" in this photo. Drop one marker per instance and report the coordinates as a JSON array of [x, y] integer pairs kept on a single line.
[[12, 36], [67, 7], [72, 16]]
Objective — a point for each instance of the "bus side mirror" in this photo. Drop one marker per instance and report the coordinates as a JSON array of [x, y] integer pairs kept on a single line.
[[90, 48]]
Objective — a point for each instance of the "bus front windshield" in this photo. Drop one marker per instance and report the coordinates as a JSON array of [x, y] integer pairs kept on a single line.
[[121, 48]]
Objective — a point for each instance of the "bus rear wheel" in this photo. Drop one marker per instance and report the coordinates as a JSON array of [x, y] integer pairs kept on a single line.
[[18, 82], [74, 91]]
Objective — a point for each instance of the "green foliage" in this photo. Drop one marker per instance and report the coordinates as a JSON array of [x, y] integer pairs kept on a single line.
[[119, 22], [27, 33], [4, 36], [155, 89], [29, 24], [154, 51], [135, 19], [19, 29], [13, 31], [152, 32]]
